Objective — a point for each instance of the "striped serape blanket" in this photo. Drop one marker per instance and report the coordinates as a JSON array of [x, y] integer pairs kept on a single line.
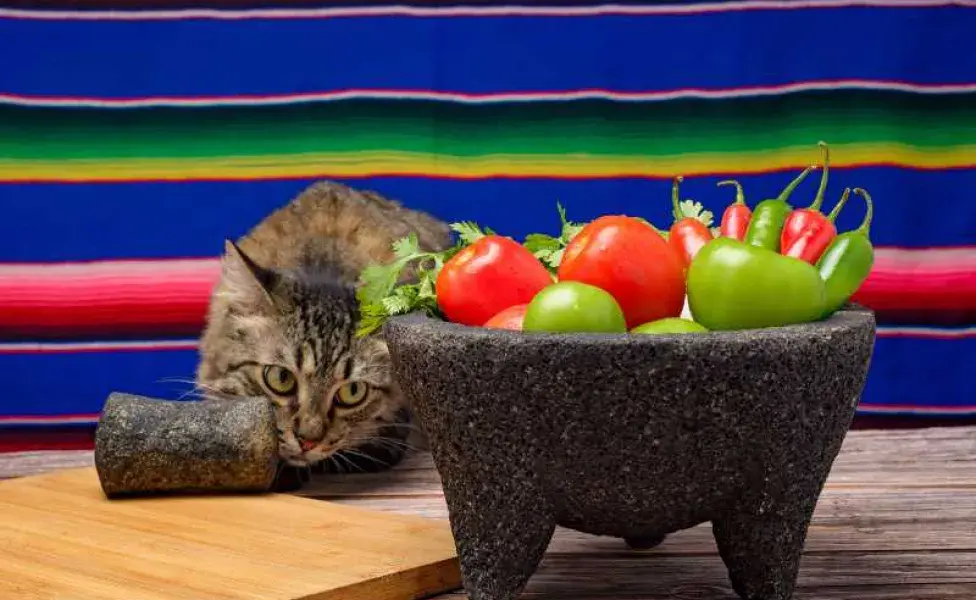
[[136, 137]]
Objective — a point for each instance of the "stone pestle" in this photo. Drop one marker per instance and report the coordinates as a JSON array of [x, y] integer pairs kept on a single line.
[[149, 446]]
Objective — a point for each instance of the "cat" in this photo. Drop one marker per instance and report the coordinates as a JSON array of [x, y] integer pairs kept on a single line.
[[281, 321]]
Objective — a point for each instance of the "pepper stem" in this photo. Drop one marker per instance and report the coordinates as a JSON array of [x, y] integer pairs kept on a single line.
[[739, 194], [674, 198], [865, 227], [792, 186], [819, 198], [840, 204]]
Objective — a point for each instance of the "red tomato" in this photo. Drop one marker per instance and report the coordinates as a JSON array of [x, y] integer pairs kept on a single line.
[[687, 237], [510, 318], [487, 277], [632, 262]]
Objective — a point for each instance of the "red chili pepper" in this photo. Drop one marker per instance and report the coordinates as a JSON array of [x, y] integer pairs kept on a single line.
[[801, 219], [735, 219], [689, 232], [813, 240]]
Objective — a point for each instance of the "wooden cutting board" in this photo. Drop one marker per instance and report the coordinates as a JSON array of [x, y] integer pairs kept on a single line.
[[60, 539]]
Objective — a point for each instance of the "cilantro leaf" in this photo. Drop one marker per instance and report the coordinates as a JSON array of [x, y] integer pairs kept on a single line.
[[549, 249], [468, 232], [379, 295], [695, 210], [541, 242], [405, 248], [568, 229]]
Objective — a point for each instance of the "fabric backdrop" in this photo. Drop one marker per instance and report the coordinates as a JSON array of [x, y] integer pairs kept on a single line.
[[133, 142]]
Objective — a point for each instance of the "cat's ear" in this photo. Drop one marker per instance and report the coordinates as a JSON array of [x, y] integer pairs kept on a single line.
[[244, 279]]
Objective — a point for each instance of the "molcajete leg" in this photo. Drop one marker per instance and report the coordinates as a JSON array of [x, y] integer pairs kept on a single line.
[[502, 527], [761, 543]]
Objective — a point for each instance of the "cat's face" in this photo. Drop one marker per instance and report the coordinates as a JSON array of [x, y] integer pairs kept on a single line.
[[289, 337]]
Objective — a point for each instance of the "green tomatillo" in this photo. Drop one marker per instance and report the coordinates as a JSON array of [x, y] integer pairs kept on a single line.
[[670, 325], [571, 306], [735, 285]]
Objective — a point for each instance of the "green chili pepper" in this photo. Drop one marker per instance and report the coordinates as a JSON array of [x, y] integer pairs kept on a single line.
[[769, 216], [847, 261]]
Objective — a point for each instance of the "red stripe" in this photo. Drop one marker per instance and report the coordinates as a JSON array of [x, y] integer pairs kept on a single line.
[[170, 296], [111, 297], [55, 438], [936, 285]]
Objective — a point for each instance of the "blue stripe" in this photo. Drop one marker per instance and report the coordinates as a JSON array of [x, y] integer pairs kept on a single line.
[[138, 220], [485, 54], [904, 372], [918, 372], [79, 383]]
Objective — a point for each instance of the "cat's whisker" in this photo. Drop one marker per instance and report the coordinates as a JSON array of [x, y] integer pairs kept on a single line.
[[365, 456], [348, 462], [411, 426], [196, 389], [381, 441]]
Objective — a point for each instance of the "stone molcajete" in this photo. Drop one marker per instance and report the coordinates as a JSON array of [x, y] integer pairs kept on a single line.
[[633, 436]]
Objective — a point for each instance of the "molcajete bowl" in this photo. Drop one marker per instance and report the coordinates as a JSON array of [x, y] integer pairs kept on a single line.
[[633, 436]]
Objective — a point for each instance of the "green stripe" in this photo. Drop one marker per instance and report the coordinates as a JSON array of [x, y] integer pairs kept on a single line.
[[594, 127]]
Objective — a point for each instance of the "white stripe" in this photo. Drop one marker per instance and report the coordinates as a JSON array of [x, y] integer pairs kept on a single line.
[[54, 420], [591, 94], [917, 410], [35, 271], [466, 11], [959, 258], [927, 332], [101, 346]]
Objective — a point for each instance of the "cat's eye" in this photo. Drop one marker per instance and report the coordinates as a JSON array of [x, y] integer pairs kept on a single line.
[[352, 393], [279, 380]]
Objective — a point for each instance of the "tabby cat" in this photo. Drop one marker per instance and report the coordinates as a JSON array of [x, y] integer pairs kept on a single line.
[[282, 318]]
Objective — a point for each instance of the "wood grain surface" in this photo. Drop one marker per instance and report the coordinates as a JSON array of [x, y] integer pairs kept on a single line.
[[61, 539], [896, 522]]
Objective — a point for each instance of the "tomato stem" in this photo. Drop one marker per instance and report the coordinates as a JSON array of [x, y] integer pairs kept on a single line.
[[792, 186], [676, 209], [819, 198], [840, 204], [865, 227], [739, 194]]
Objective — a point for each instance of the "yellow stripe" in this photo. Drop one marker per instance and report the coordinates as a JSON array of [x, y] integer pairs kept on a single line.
[[376, 163]]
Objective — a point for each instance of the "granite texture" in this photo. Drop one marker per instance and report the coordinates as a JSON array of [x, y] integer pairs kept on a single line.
[[145, 445], [634, 437]]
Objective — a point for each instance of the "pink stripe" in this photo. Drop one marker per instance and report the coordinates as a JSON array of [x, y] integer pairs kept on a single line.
[[101, 346], [163, 297], [950, 259], [489, 98], [469, 11], [49, 420]]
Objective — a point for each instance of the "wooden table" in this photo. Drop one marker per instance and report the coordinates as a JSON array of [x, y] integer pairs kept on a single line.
[[896, 522]]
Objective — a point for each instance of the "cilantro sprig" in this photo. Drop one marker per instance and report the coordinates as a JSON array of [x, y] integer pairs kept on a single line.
[[383, 293], [691, 209], [550, 249]]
